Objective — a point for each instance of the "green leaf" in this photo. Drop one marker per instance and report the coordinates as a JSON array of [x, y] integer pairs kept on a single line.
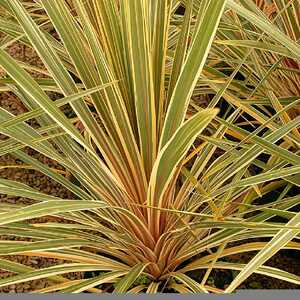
[[191, 69], [258, 45], [173, 152], [266, 26], [48, 208], [51, 271], [194, 286], [126, 282], [275, 244], [93, 282]]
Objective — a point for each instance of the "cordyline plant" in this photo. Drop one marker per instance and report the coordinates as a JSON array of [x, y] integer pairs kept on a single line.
[[269, 62], [168, 184]]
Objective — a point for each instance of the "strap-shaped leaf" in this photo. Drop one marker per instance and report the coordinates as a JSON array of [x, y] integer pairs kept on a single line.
[[93, 282], [32, 89], [192, 69], [194, 286], [52, 271], [137, 35], [171, 155], [125, 283], [275, 244], [48, 208], [265, 26]]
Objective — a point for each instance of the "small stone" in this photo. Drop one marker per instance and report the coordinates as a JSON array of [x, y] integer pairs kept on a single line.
[[20, 289], [34, 261]]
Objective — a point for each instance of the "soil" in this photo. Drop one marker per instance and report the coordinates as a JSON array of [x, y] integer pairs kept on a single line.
[[39, 181]]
